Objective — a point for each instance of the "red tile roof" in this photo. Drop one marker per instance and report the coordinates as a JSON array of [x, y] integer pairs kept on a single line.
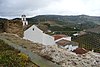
[[58, 36], [80, 51], [66, 42], [63, 42]]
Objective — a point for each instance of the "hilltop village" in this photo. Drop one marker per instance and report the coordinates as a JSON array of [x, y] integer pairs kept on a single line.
[[58, 48], [35, 34]]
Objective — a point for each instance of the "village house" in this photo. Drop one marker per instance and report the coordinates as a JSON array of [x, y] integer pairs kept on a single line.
[[35, 34], [68, 45], [80, 51], [79, 33], [58, 37], [65, 42]]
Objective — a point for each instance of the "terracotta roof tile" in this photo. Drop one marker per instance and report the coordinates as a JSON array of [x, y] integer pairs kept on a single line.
[[63, 42], [80, 51], [58, 36], [66, 42]]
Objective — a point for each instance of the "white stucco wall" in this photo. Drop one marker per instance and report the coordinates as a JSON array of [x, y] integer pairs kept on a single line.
[[65, 38], [76, 34], [25, 23], [48, 39], [38, 36], [70, 47]]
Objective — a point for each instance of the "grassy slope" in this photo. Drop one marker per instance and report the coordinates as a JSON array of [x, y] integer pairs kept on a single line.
[[9, 57]]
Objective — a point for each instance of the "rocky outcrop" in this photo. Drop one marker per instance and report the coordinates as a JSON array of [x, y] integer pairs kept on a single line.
[[70, 59], [14, 27], [2, 22], [56, 55]]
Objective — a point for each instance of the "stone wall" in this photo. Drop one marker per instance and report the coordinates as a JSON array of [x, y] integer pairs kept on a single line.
[[14, 27]]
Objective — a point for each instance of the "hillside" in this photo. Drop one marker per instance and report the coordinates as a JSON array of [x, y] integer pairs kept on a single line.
[[56, 56], [71, 19], [28, 48], [2, 21], [52, 56], [95, 30], [89, 41], [79, 21], [9, 57]]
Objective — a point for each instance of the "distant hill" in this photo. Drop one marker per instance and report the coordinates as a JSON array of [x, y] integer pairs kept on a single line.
[[79, 21], [71, 19], [1, 19], [89, 41]]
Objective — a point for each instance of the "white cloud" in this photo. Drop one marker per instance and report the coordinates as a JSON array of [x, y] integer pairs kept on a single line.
[[18, 7], [61, 7], [71, 7]]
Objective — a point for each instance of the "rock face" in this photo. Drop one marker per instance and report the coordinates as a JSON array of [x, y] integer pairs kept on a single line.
[[57, 55], [14, 27], [70, 59], [1, 27]]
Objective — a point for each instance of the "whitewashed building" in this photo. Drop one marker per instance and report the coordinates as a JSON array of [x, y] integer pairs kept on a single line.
[[70, 47], [25, 22], [36, 35]]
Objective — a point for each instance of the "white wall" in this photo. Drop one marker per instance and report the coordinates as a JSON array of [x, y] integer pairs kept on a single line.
[[48, 39], [65, 38], [38, 36], [25, 23], [70, 47]]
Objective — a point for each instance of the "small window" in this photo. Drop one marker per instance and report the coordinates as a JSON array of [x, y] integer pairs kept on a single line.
[[33, 29]]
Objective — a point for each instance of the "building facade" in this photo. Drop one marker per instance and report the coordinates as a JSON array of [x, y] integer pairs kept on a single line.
[[25, 22], [34, 34]]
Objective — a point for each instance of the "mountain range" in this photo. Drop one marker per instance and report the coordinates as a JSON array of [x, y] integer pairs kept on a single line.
[[78, 21], [66, 19]]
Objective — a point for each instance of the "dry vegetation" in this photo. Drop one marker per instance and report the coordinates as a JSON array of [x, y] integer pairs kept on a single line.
[[34, 47], [9, 57]]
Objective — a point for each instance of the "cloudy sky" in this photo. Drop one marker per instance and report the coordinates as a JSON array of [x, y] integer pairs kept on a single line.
[[15, 8]]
